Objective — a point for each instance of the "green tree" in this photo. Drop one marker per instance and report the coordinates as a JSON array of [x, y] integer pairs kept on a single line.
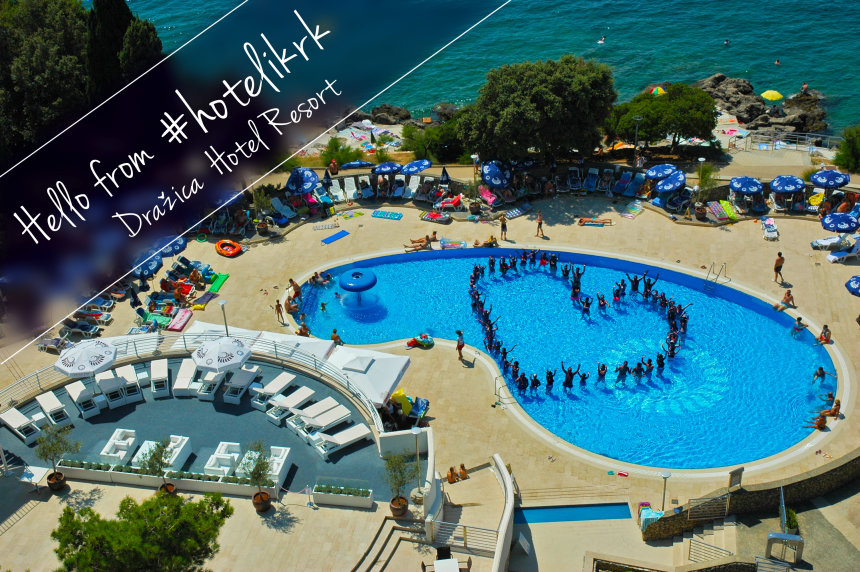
[[156, 460], [141, 49], [340, 152], [444, 141], [54, 443], [163, 532], [415, 140], [848, 155], [551, 106], [107, 24]]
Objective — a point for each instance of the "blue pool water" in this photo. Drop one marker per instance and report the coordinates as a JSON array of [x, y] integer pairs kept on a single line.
[[738, 391], [569, 513]]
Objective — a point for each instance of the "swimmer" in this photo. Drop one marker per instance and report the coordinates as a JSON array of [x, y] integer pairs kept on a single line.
[[634, 280], [649, 365], [582, 378], [603, 39], [515, 368], [601, 370], [522, 383], [827, 399], [550, 379], [638, 370], [585, 302], [568, 375], [565, 271], [661, 363], [513, 263], [601, 302], [670, 352], [798, 327], [648, 284], [491, 264], [535, 382], [322, 306], [622, 369], [506, 351], [820, 373]]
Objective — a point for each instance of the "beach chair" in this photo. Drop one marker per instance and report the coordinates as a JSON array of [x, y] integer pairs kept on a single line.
[[410, 189], [279, 206], [184, 377], [739, 203], [85, 329], [21, 425], [53, 409], [574, 179], [53, 345], [322, 422], [779, 202], [455, 204], [622, 183], [832, 243], [759, 204], [238, 384], [634, 188], [590, 184], [263, 394], [281, 404], [325, 444], [321, 196], [605, 183], [336, 192], [769, 229], [852, 254], [399, 189], [350, 188], [82, 397], [488, 197], [296, 421], [680, 201]]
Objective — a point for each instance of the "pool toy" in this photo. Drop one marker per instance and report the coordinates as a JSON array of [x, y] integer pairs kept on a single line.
[[387, 214], [218, 282], [633, 209], [595, 222], [227, 248], [422, 340], [202, 237], [718, 211], [729, 210], [448, 243], [622, 474], [334, 237], [519, 211]]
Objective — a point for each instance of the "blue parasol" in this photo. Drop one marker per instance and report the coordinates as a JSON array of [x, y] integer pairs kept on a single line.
[[853, 285], [496, 174], [524, 164], [745, 185], [416, 166], [660, 171], [356, 165], [147, 264], [830, 179], [302, 180], [785, 184], [840, 222], [672, 183], [387, 168], [326, 182], [171, 245], [444, 178]]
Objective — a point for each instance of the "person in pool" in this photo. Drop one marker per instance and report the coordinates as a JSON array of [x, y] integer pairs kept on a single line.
[[661, 361], [568, 375], [513, 262], [565, 271], [585, 302], [649, 365], [798, 327], [577, 273], [647, 284], [601, 370], [820, 373], [491, 264], [583, 377], [638, 370], [623, 369], [833, 411], [601, 302], [671, 350], [535, 382], [515, 368], [827, 399], [506, 351], [522, 383], [634, 281], [550, 379]]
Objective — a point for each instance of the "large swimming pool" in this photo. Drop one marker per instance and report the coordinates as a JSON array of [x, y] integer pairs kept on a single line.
[[738, 391]]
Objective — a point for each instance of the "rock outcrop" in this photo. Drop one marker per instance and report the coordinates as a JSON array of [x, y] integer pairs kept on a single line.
[[386, 114]]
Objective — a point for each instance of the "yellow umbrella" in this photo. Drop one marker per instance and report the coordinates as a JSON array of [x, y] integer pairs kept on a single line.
[[771, 95]]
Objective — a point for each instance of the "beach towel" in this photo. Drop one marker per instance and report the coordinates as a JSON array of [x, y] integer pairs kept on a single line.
[[350, 214], [718, 211], [326, 226], [200, 303], [387, 214], [219, 281], [180, 320], [442, 218], [334, 237], [519, 211], [446, 243], [729, 210], [633, 209]]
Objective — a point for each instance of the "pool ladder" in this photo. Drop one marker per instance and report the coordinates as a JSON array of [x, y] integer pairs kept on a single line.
[[713, 277]]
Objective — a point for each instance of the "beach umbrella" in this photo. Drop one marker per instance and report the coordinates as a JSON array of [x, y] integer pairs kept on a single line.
[[416, 166], [853, 285], [523, 165], [302, 180], [660, 171], [772, 95], [387, 168], [444, 178], [86, 358], [495, 174], [840, 222], [147, 264], [787, 184], [221, 354], [672, 183], [372, 139], [745, 185], [657, 90], [830, 179], [356, 165], [171, 245], [326, 182]]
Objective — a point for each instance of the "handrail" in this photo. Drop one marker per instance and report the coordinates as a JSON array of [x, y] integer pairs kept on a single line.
[[175, 345]]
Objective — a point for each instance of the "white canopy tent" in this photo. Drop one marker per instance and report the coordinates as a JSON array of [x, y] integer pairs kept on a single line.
[[376, 374], [316, 347], [199, 332]]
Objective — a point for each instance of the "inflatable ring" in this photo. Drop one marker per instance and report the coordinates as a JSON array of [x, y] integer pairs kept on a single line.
[[227, 248], [202, 237], [422, 340]]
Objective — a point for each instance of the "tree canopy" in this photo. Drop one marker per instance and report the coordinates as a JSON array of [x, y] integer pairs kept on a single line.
[[551, 106], [141, 49], [442, 142], [684, 111], [107, 24], [164, 532], [848, 155]]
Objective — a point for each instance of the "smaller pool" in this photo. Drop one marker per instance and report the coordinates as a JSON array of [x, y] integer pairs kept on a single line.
[[571, 513]]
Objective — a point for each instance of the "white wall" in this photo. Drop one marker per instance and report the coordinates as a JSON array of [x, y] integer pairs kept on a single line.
[[398, 442], [506, 524]]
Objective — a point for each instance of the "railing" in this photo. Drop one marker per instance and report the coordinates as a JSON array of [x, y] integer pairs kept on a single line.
[[708, 508], [768, 565], [465, 536], [713, 278], [795, 141], [702, 551], [150, 346]]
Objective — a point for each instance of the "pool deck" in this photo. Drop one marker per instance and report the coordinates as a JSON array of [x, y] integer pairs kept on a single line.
[[468, 429]]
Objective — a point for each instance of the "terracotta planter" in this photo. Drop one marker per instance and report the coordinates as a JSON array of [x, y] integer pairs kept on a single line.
[[262, 228], [167, 488], [261, 501], [399, 506], [56, 481]]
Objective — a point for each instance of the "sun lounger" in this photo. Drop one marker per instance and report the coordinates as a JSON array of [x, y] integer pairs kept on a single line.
[[281, 404], [677, 203], [99, 303], [21, 425], [279, 206], [367, 193], [322, 422], [158, 371], [53, 409], [325, 444], [83, 399], [119, 447], [238, 384], [294, 422], [208, 385], [131, 388], [321, 196], [778, 201], [634, 188], [274, 387], [622, 183], [487, 196], [93, 317], [53, 345], [224, 460], [769, 229], [336, 192], [410, 190], [590, 184], [350, 189], [85, 329], [574, 179], [739, 203], [183, 379], [605, 183], [455, 204], [852, 254]]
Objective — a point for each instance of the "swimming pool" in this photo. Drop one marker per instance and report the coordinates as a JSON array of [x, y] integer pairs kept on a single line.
[[571, 513], [738, 391]]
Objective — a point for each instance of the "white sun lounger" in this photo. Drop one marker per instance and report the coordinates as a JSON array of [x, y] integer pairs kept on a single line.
[[337, 194], [322, 422], [239, 383], [844, 255], [21, 425], [209, 384], [410, 190], [279, 206], [83, 399], [54, 410], [313, 410], [326, 444], [112, 388], [184, 377], [158, 372], [349, 188], [131, 388], [281, 404], [262, 395]]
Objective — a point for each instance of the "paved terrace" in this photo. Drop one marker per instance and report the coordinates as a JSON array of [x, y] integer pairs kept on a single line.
[[467, 428]]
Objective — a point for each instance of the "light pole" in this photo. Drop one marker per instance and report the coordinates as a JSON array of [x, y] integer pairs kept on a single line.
[[223, 303], [417, 431], [665, 475], [637, 119]]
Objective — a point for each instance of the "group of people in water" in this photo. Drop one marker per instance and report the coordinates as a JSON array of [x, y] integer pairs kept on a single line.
[[675, 313]]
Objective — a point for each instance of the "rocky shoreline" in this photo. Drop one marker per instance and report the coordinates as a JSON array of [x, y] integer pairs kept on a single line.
[[802, 113]]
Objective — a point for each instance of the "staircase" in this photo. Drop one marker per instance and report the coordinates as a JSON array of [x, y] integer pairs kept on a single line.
[[710, 541], [389, 536]]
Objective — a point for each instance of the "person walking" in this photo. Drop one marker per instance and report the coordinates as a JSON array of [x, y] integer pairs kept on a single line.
[[279, 311], [777, 267], [539, 224], [503, 220], [460, 345]]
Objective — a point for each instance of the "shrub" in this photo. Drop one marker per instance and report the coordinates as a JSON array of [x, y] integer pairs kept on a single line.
[[707, 176], [790, 519], [806, 175], [339, 151], [415, 140], [848, 155], [382, 155]]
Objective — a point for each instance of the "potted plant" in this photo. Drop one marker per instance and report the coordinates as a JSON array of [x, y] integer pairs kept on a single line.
[[399, 472], [155, 462], [791, 526], [262, 205], [256, 466], [51, 446]]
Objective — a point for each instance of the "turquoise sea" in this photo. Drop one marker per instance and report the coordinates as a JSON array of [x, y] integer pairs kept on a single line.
[[646, 42]]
